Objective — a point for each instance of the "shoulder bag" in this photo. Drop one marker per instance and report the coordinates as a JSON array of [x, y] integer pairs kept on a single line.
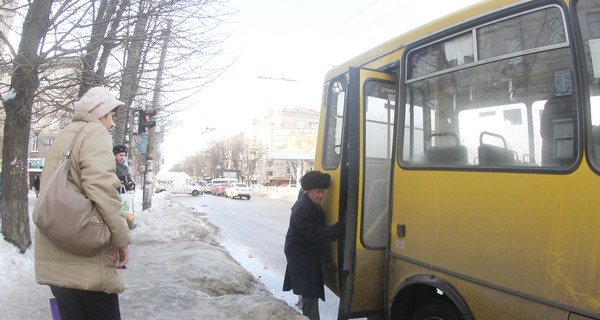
[[68, 218]]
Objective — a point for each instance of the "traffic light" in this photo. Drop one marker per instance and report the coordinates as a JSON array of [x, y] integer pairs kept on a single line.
[[145, 121]]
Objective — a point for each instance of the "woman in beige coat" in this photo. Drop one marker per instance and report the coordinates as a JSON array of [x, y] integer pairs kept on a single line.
[[87, 287]]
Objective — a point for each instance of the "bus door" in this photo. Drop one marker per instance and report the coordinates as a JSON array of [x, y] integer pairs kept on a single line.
[[363, 182]]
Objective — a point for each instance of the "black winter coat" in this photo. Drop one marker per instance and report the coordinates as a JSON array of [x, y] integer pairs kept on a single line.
[[123, 174], [305, 243]]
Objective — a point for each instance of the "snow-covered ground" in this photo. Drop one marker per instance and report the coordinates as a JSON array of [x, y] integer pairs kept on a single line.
[[177, 270]]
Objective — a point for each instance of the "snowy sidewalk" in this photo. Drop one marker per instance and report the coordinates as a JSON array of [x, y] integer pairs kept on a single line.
[[177, 270]]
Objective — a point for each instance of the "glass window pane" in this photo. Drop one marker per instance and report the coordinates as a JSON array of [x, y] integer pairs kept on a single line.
[[447, 54], [517, 110], [380, 108], [334, 120], [525, 32], [588, 12], [494, 115]]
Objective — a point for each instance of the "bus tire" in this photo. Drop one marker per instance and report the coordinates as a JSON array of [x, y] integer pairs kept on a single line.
[[436, 310]]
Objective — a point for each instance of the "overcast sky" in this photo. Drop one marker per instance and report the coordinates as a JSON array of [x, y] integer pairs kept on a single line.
[[283, 48]]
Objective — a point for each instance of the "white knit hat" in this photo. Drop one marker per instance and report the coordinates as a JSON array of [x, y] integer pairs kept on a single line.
[[98, 101]]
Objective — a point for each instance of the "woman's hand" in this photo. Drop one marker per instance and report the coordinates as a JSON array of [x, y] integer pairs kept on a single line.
[[121, 256]]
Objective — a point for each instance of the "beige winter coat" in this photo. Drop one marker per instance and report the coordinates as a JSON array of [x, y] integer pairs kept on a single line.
[[93, 173]]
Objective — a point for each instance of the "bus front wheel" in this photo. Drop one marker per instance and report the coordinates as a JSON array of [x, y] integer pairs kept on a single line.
[[436, 310]]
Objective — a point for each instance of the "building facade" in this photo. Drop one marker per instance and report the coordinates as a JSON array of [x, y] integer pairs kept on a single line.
[[283, 144], [51, 110]]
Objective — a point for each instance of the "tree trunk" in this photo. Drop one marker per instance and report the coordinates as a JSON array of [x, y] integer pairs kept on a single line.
[[131, 79], [150, 152], [18, 105], [88, 75]]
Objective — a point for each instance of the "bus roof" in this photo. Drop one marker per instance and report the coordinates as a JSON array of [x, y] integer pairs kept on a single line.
[[381, 53]]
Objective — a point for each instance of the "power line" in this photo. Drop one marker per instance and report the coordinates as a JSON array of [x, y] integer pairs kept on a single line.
[[379, 19], [347, 20], [277, 79], [339, 40]]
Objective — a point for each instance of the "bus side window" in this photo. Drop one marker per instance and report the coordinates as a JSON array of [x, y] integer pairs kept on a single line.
[[334, 118], [558, 131]]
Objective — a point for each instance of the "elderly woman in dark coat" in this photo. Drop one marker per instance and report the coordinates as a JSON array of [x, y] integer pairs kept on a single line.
[[305, 243]]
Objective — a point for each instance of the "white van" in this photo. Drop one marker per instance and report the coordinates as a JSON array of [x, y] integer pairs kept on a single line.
[[176, 182]]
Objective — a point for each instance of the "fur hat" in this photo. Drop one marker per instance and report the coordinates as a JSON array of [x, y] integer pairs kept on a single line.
[[98, 102], [315, 180], [119, 148]]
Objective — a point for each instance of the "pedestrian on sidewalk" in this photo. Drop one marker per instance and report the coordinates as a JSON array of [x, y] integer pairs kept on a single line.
[[36, 186], [127, 183], [87, 287], [305, 243]]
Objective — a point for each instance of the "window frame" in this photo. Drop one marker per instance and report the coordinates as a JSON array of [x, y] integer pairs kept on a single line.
[[332, 100], [472, 28]]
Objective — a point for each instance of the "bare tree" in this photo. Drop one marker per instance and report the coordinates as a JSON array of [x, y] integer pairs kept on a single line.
[[235, 153], [117, 44], [134, 46], [18, 105], [96, 37], [193, 165], [251, 158], [217, 159]]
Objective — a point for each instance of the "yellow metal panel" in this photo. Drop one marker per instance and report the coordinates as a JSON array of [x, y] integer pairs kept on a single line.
[[535, 234], [485, 302]]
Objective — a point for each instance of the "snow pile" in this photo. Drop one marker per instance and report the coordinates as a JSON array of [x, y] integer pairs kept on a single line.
[[11, 262], [169, 221]]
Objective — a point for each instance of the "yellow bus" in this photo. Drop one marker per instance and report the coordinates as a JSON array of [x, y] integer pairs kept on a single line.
[[465, 157]]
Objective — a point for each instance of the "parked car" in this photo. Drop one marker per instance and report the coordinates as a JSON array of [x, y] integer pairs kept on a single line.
[[219, 189], [208, 188], [238, 190]]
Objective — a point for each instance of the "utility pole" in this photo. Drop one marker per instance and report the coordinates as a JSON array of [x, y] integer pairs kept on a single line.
[[151, 151]]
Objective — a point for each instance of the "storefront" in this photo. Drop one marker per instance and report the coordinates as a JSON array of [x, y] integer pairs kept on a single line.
[[34, 168]]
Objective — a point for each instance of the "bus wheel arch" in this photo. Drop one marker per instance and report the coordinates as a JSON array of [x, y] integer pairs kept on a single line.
[[424, 294]]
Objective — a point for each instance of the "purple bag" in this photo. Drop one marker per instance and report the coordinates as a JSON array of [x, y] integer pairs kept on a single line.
[[54, 309]]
